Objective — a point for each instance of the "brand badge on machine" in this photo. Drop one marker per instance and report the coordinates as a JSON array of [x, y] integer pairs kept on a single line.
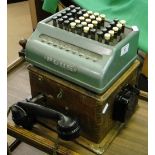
[[125, 49], [61, 64]]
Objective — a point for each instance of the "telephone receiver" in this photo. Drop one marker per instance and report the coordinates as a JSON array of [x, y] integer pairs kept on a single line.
[[24, 114]]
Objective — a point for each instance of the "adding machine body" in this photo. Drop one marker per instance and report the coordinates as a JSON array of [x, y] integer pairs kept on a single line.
[[83, 61]]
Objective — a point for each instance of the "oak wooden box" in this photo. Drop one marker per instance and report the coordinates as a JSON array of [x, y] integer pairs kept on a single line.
[[77, 101]]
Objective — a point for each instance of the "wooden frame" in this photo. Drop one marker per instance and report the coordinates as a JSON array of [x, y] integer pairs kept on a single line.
[[145, 66], [39, 140], [33, 13]]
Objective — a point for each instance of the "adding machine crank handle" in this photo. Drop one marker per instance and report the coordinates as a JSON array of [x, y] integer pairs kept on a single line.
[[22, 43]]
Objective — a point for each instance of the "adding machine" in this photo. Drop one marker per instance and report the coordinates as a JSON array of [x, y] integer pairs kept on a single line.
[[83, 73]]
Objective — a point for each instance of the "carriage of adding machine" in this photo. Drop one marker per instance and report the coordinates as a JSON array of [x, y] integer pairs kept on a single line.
[[83, 73]]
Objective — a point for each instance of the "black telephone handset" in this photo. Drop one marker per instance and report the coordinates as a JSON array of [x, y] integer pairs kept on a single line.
[[24, 113]]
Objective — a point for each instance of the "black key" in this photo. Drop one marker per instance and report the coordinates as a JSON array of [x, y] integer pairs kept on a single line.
[[74, 12], [116, 21], [68, 10], [71, 19], [83, 11], [92, 33], [55, 20], [65, 17], [66, 25], [60, 22], [59, 15], [112, 24], [69, 15], [100, 35], [77, 8], [63, 13], [72, 6], [109, 27], [104, 30], [79, 13]]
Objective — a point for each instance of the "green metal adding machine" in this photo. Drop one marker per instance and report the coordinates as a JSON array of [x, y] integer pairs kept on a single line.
[[83, 66], [83, 47]]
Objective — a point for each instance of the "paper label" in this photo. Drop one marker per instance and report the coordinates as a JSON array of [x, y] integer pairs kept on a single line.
[[105, 108], [135, 28], [125, 49]]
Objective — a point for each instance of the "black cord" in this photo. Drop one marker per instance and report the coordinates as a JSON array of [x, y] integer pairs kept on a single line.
[[10, 108]]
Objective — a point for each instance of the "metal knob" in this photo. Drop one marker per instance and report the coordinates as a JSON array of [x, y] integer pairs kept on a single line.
[[22, 43]]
